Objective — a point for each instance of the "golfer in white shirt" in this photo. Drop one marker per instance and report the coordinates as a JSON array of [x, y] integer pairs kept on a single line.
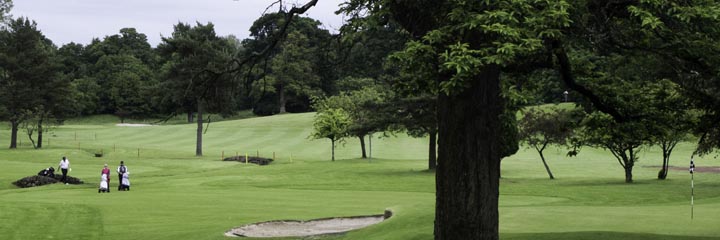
[[64, 166]]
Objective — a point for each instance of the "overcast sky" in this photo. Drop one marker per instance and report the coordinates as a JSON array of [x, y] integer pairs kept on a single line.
[[79, 21]]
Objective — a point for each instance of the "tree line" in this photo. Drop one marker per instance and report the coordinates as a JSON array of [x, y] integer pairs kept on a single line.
[[193, 71]]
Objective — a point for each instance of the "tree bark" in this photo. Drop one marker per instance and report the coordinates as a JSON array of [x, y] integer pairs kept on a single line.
[[281, 92], [198, 144], [468, 170], [190, 117], [13, 133], [362, 146], [432, 150]]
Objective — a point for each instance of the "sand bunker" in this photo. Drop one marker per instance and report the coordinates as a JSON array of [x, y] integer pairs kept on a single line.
[[133, 125], [291, 228]]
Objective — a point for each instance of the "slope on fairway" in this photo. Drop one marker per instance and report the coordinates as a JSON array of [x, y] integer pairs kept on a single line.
[[176, 195]]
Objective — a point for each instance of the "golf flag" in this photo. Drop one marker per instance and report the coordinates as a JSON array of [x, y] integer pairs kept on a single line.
[[692, 166], [692, 189]]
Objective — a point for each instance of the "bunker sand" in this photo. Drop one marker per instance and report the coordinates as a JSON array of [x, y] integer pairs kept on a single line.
[[292, 228]]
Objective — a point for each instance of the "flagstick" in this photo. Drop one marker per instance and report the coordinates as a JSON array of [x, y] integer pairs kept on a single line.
[[692, 188]]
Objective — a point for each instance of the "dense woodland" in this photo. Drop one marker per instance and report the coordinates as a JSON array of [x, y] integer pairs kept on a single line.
[[641, 73]]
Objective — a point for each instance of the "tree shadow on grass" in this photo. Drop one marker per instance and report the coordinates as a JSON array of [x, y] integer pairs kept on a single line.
[[598, 236]]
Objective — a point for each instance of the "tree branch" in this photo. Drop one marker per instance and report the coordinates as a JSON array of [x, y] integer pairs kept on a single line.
[[569, 80], [274, 41]]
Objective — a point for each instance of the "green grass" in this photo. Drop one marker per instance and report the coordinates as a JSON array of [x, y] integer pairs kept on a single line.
[[178, 196]]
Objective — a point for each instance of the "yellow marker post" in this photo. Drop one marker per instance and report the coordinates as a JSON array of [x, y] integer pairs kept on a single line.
[[246, 158]]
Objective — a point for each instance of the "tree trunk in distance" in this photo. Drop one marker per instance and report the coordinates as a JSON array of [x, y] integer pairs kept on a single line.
[[663, 172], [281, 91], [370, 145], [198, 145], [468, 169], [547, 168], [190, 117], [13, 133], [432, 150], [362, 146], [40, 133], [628, 172], [333, 149]]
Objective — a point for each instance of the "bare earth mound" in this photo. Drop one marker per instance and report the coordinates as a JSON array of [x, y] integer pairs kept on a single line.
[[710, 169], [291, 228], [698, 169], [133, 125], [34, 181], [256, 160]]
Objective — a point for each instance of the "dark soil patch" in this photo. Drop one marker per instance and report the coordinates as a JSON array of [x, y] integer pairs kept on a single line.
[[255, 160], [34, 181], [710, 169]]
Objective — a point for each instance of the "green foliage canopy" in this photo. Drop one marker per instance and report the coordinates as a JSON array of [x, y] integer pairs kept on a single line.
[[332, 124]]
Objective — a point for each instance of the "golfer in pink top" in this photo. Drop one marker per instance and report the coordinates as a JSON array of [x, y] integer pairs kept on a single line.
[[106, 171]]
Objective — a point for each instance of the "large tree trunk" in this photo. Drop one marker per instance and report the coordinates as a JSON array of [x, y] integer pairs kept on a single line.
[[281, 92], [13, 133], [362, 145], [40, 133], [198, 145], [468, 170], [432, 150]]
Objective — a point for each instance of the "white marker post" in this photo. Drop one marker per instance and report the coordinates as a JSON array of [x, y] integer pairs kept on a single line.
[[692, 188]]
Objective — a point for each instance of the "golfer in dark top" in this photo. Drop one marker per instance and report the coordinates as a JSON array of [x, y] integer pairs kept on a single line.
[[120, 170]]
